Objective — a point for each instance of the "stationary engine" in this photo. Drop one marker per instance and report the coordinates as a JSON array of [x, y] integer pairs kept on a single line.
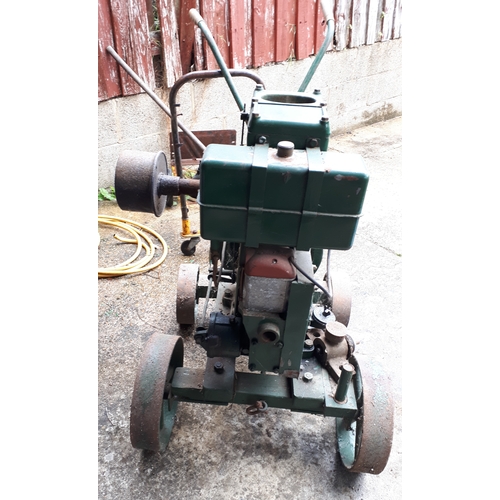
[[271, 209]]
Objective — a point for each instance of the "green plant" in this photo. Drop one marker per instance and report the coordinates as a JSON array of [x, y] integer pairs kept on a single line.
[[107, 194]]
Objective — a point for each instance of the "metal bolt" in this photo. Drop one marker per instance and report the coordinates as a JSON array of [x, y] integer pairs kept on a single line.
[[285, 149], [279, 344], [308, 376], [262, 139], [228, 293], [218, 367]]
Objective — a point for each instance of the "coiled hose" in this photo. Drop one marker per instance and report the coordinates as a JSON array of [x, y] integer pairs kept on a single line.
[[141, 240]]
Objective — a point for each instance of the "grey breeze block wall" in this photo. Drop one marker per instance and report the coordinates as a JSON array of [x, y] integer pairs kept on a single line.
[[361, 86]]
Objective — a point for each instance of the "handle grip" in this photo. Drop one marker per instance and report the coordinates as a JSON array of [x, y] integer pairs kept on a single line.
[[327, 7], [195, 16]]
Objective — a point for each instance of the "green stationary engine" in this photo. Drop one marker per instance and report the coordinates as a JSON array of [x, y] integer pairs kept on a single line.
[[269, 208]]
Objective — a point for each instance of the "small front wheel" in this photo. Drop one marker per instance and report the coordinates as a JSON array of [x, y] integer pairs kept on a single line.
[[186, 249]]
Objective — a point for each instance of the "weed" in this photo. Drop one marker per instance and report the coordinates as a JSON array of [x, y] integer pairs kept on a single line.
[[107, 194]]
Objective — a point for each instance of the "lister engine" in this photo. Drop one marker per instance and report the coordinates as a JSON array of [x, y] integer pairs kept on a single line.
[[269, 212], [270, 209]]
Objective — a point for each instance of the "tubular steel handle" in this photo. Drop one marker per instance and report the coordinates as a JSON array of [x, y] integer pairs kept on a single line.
[[198, 20], [327, 6], [151, 94]]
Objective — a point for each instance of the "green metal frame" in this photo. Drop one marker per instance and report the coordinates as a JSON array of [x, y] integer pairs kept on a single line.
[[206, 385]]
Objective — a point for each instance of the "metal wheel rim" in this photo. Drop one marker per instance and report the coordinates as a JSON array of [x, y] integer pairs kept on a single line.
[[341, 304], [151, 413], [365, 443], [187, 284]]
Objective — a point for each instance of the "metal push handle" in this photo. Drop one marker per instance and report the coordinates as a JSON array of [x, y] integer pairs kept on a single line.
[[327, 7], [198, 20], [153, 96]]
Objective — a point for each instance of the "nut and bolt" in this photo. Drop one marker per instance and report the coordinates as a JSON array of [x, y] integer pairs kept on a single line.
[[307, 377], [218, 367], [285, 149]]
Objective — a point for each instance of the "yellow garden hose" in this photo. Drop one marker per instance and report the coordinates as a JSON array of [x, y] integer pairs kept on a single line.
[[141, 240]]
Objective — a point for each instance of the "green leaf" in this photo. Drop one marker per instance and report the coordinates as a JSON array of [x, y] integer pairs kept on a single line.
[[104, 194]]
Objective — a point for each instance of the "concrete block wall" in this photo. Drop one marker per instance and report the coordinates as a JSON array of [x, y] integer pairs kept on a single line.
[[361, 86], [133, 122]]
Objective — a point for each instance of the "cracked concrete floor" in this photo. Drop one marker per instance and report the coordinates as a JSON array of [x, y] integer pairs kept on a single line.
[[220, 451]]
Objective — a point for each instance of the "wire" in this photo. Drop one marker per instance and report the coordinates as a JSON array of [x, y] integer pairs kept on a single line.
[[142, 242], [312, 280]]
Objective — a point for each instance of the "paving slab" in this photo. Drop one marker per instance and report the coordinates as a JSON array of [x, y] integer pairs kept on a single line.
[[220, 451]]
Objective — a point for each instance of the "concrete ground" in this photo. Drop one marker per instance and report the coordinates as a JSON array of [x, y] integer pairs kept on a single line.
[[220, 451]]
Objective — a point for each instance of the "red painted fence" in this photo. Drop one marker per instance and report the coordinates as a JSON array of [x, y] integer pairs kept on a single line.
[[159, 34]]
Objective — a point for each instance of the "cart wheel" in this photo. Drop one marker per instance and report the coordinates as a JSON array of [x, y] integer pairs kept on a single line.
[[365, 442], [152, 410], [186, 293], [341, 285], [186, 250]]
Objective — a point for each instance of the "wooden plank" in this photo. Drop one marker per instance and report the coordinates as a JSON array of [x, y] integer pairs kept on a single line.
[[286, 29], [306, 13], [150, 13], [248, 33], [108, 83], [237, 42], [186, 34], [398, 11], [131, 33], [215, 13], [169, 41], [388, 19], [263, 32], [207, 137], [342, 22], [320, 28], [199, 56], [372, 28], [359, 20]]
